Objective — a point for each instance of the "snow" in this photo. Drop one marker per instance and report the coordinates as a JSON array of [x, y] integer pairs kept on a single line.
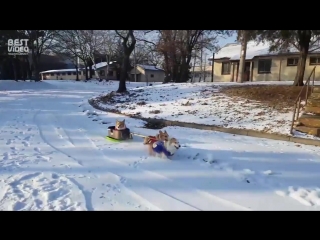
[[60, 70], [98, 65], [204, 104], [54, 156], [150, 67], [254, 49]]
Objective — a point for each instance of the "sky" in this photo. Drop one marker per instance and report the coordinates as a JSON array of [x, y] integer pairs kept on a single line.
[[224, 41]]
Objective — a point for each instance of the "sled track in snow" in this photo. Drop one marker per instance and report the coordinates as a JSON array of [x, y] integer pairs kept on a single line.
[[188, 197]]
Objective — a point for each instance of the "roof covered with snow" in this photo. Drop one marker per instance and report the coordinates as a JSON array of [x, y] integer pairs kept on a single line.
[[60, 70], [254, 49], [101, 65], [150, 67]]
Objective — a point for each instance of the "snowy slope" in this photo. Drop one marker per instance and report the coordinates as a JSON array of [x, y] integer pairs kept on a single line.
[[203, 103], [53, 156]]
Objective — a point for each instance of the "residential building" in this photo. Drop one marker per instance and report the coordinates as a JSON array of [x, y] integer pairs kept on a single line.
[[260, 64], [147, 73], [71, 74], [202, 74]]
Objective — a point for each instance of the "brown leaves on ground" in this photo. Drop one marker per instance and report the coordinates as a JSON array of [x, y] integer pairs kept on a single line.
[[278, 97]]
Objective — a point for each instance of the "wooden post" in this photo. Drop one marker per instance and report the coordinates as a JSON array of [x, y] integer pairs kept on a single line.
[[194, 64], [279, 77], [212, 68], [108, 62], [232, 76]]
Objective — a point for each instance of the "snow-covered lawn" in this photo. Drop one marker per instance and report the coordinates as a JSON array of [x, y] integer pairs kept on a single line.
[[203, 103], [54, 156]]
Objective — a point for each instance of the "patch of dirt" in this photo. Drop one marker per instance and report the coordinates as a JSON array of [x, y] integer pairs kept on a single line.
[[277, 97], [154, 125]]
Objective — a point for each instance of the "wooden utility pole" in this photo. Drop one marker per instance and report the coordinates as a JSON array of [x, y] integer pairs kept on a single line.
[[108, 62], [212, 68], [194, 64], [243, 52]]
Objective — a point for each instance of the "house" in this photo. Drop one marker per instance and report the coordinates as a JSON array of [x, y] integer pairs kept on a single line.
[[71, 74], [202, 74], [260, 64], [63, 74], [103, 68], [147, 73]]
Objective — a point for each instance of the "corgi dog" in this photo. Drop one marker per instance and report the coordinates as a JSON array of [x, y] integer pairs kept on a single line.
[[164, 149], [162, 136], [120, 125]]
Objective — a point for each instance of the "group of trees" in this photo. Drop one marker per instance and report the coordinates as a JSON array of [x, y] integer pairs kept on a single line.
[[171, 50]]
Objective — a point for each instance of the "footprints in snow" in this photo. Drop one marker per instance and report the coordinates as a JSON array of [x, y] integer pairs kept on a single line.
[[18, 142], [40, 191], [92, 114]]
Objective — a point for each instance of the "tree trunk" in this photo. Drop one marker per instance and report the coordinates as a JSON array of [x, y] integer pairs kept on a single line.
[[86, 70], [36, 71], [14, 68], [304, 49], [243, 54], [298, 81], [90, 71], [23, 68], [183, 72], [35, 60], [28, 67], [123, 74], [77, 71]]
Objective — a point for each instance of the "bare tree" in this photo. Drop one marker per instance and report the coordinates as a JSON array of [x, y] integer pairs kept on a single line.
[[73, 44], [128, 42], [39, 42], [177, 48]]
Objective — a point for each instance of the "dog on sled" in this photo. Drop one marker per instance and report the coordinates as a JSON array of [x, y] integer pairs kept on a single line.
[[164, 149], [161, 136]]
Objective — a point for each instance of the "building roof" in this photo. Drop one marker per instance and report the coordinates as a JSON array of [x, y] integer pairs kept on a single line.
[[60, 70], [101, 65], [150, 67], [254, 49]]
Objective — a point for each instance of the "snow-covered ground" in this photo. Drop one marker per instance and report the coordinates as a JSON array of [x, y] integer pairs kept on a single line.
[[203, 103], [54, 156]]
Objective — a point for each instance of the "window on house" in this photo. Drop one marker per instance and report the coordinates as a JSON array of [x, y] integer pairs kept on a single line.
[[110, 73], [58, 74], [52, 74], [74, 73], [314, 61], [225, 68], [102, 73], [292, 61], [264, 66], [63, 73], [69, 73], [151, 75]]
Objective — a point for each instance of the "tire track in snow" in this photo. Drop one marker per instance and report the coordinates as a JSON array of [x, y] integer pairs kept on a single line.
[[89, 152], [86, 193], [42, 135], [205, 198]]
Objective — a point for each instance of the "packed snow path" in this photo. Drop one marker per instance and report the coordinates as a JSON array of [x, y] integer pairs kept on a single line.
[[53, 156]]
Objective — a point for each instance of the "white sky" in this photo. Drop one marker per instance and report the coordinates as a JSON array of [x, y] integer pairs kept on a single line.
[[224, 41]]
